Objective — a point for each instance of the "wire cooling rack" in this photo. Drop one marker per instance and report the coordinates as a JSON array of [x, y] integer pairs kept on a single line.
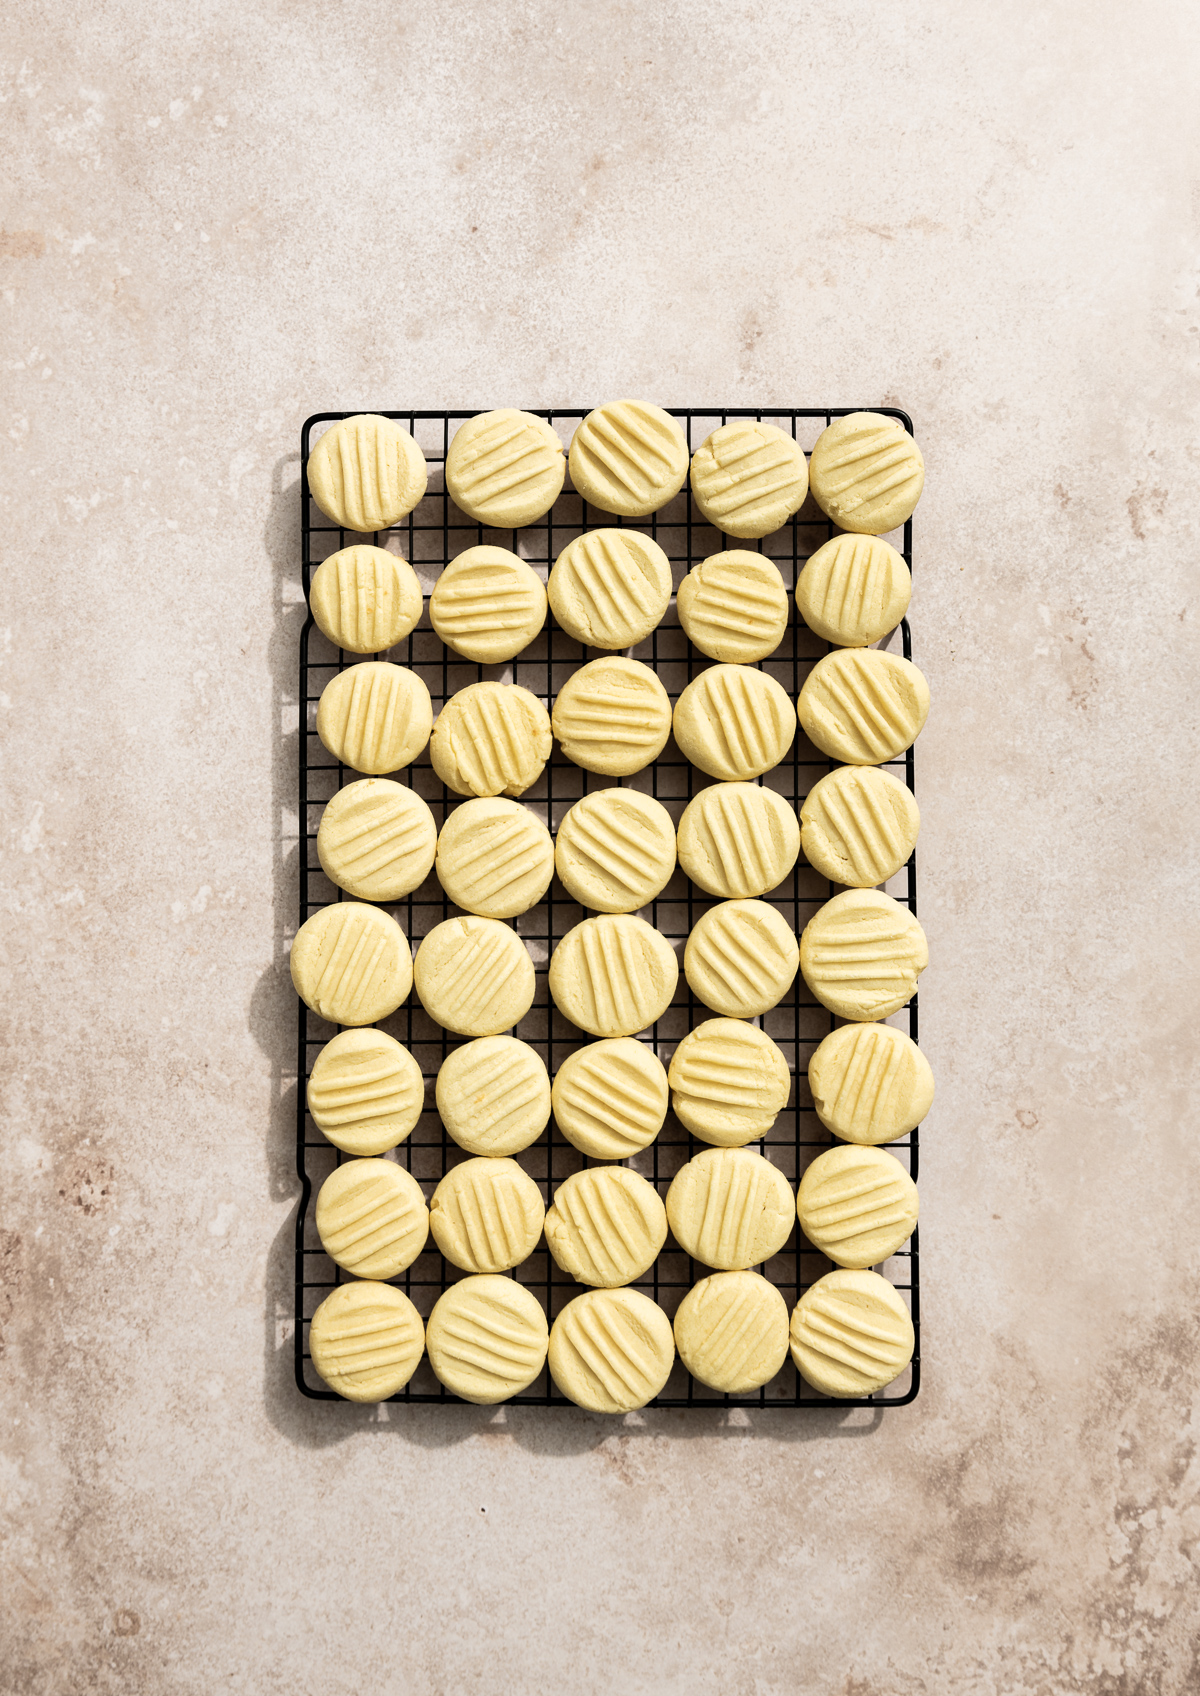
[[432, 535]]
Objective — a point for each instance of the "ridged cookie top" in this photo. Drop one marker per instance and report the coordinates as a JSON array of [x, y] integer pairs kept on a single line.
[[474, 976], [854, 590], [610, 1098], [494, 1095], [375, 716], [495, 858], [748, 478], [486, 1215], [366, 472], [729, 1082], [629, 457], [487, 1338], [365, 599], [613, 975], [867, 473], [505, 468], [371, 1218], [863, 706], [870, 1083], [491, 739], [733, 606], [487, 605], [731, 1330], [730, 1208], [351, 964], [741, 958], [851, 1333], [366, 1340], [606, 1226], [734, 722], [610, 588], [861, 955], [859, 825], [611, 1350], [612, 716], [365, 1092], [615, 850], [738, 839], [377, 839], [857, 1205]]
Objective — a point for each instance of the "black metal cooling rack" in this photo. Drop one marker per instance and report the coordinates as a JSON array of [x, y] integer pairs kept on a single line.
[[433, 534]]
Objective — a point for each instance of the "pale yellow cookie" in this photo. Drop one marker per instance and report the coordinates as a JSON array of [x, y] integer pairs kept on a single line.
[[857, 1205], [867, 473], [734, 722], [487, 1338], [494, 1095], [629, 457], [505, 468], [366, 1341], [615, 850], [366, 472], [611, 1351], [377, 839], [729, 1082], [365, 599], [731, 1330], [851, 1334], [610, 1098], [375, 716], [365, 1092], [610, 588], [854, 590], [613, 975], [748, 479], [612, 716], [351, 963], [486, 1215], [495, 858], [372, 1218], [606, 1226], [861, 955], [730, 1208], [733, 606], [487, 605], [474, 976], [738, 839], [870, 1083], [741, 958], [863, 706], [859, 825], [491, 739]]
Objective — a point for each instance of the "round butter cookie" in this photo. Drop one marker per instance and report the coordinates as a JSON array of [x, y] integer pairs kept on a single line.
[[505, 468], [375, 716], [351, 964], [857, 1205], [612, 716], [494, 1096], [854, 590], [474, 976], [487, 1338], [486, 1215], [611, 1351], [377, 839], [870, 1083], [730, 1208], [733, 606], [372, 1218], [748, 479], [741, 958], [487, 605], [494, 858], [729, 1082], [851, 1334], [629, 457], [731, 1330], [863, 706], [610, 588], [365, 1092], [610, 1098], [613, 975], [859, 825], [861, 955], [738, 840], [366, 1340], [365, 599], [734, 722], [606, 1226], [491, 739], [615, 850], [867, 473], [366, 472]]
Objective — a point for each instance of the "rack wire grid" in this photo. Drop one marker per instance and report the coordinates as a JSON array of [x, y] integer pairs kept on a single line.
[[432, 535]]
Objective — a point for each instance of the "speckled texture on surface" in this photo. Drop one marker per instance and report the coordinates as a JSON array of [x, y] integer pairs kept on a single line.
[[220, 218]]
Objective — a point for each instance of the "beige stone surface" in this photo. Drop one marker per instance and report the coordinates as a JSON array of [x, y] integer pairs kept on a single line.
[[220, 218]]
